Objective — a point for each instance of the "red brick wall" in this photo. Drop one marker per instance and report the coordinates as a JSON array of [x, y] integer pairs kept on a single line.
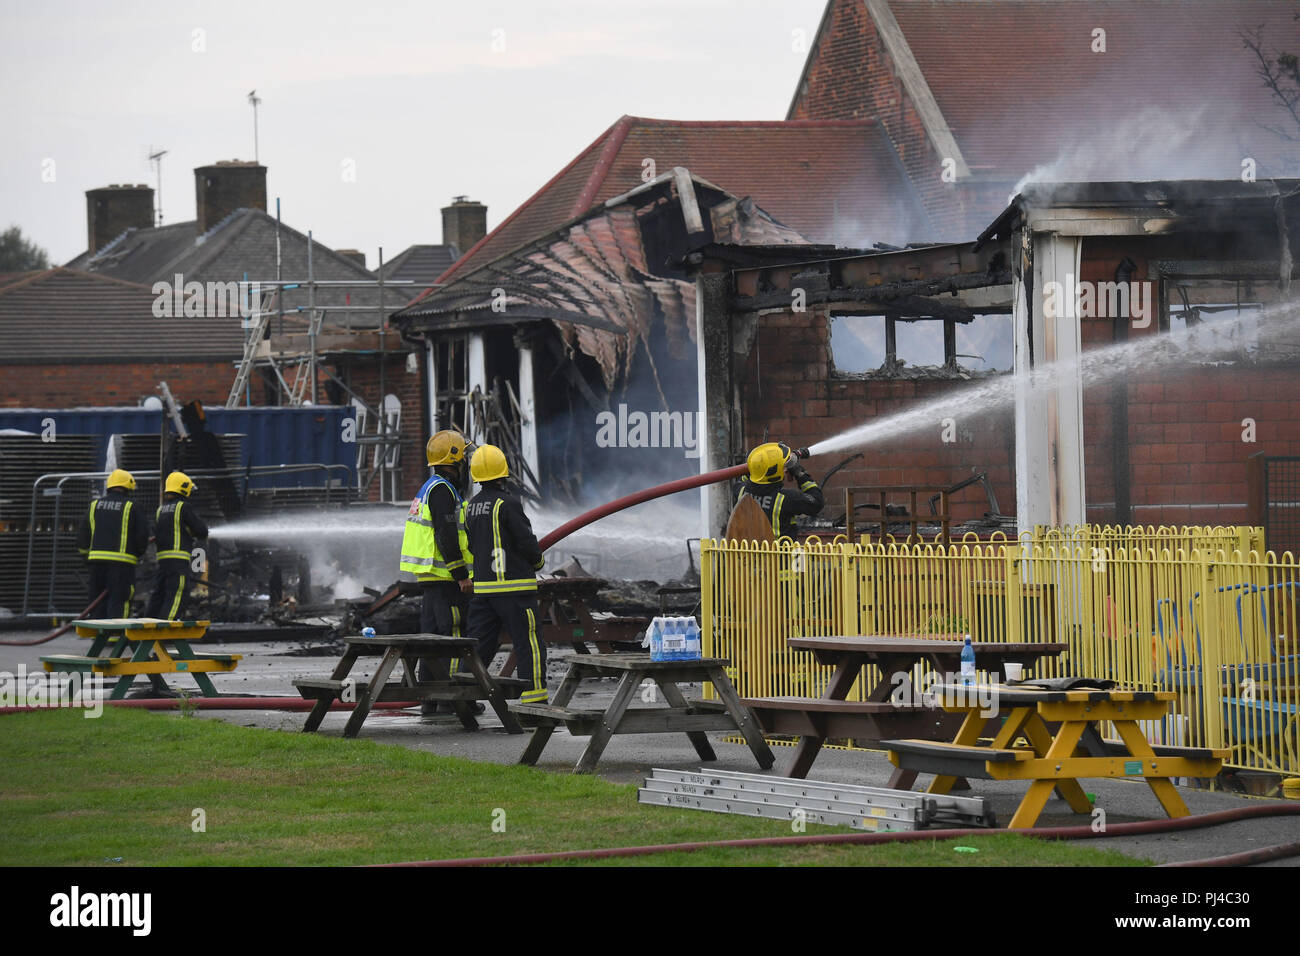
[[850, 76], [1187, 460], [70, 386], [1184, 436], [787, 388]]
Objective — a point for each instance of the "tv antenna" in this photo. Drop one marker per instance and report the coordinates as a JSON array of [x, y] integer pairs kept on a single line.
[[253, 100], [155, 157]]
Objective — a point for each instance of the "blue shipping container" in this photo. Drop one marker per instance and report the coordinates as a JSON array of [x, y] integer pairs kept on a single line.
[[275, 435]]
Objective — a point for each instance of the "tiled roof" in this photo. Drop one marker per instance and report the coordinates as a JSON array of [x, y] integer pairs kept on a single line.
[[1019, 85], [835, 181], [422, 263], [607, 277], [240, 246], [66, 316]]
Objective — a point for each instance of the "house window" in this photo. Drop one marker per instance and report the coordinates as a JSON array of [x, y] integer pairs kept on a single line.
[[896, 345], [1211, 318]]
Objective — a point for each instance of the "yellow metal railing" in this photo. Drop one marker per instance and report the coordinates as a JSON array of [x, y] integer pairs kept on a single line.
[[1200, 615]]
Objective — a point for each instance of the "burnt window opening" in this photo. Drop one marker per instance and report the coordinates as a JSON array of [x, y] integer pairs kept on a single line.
[[1218, 312], [451, 369], [897, 346]]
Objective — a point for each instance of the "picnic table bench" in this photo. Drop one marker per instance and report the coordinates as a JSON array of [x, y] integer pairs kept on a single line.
[[562, 607], [459, 688], [692, 717], [880, 715], [129, 647], [1055, 760]]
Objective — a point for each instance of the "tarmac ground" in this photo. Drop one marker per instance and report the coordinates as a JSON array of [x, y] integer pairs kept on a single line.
[[267, 669]]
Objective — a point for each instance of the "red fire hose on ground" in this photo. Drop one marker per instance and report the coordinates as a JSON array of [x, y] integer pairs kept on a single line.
[[1085, 832], [226, 703], [59, 631]]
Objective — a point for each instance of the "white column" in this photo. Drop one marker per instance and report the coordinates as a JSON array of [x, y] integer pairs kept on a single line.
[[1049, 407], [431, 362], [477, 373], [1031, 417], [528, 405], [708, 494]]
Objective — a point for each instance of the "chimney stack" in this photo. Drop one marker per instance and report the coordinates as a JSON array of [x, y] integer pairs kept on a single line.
[[356, 255], [464, 223], [222, 188], [111, 210]]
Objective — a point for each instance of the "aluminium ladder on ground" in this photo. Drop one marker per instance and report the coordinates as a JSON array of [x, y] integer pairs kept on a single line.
[[833, 804]]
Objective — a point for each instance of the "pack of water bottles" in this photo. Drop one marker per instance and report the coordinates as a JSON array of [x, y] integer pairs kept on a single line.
[[674, 639]]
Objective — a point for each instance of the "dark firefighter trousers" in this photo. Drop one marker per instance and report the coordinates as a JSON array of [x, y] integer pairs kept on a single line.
[[170, 590], [118, 579], [516, 612], [442, 611]]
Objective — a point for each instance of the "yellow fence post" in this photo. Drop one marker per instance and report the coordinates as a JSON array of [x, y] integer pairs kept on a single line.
[[1015, 605], [1211, 634]]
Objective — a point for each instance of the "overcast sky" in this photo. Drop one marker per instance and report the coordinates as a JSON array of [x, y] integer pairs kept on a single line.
[[413, 94]]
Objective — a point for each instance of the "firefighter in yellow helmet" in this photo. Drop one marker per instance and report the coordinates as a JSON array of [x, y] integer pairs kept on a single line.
[[177, 526], [506, 559], [769, 465], [434, 550], [112, 537]]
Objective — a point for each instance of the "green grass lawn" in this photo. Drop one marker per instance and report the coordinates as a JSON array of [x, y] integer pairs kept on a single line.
[[80, 792]]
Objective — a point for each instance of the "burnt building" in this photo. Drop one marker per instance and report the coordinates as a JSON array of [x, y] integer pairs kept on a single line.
[[1105, 352]]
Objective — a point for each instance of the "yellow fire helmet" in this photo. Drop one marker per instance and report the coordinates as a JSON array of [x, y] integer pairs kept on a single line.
[[488, 463], [445, 448], [767, 464], [121, 479], [179, 483]]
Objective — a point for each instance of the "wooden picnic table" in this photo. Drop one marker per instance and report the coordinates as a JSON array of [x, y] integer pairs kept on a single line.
[[459, 688], [876, 717], [1055, 760], [692, 718], [128, 647], [562, 606]]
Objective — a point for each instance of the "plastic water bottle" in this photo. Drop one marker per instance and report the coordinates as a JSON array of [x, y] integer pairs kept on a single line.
[[674, 639], [694, 646], [367, 632], [655, 638], [967, 662]]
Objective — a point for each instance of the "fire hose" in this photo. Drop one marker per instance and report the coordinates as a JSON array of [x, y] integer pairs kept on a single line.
[[647, 494], [612, 507], [226, 703], [911, 836], [58, 631]]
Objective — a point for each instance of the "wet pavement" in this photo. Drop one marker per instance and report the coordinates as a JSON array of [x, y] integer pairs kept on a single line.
[[268, 670]]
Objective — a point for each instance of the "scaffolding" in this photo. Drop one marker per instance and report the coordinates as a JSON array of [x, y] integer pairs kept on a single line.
[[295, 371]]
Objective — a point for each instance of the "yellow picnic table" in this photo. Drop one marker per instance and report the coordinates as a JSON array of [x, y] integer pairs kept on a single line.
[[128, 647], [1055, 760]]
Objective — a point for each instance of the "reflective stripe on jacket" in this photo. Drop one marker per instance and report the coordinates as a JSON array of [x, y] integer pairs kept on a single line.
[[113, 531], [506, 554], [421, 555], [177, 526]]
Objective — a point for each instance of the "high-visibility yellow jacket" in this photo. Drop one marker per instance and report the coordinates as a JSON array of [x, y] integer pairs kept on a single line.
[[431, 527]]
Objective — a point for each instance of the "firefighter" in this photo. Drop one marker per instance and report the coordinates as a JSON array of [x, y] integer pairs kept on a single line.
[[506, 559], [435, 550], [177, 525], [113, 536], [769, 465]]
